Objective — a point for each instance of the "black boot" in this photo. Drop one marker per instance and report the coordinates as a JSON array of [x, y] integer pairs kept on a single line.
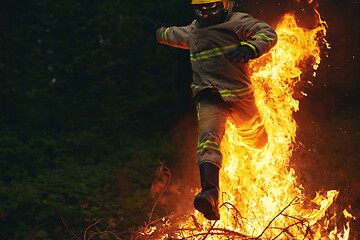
[[207, 201]]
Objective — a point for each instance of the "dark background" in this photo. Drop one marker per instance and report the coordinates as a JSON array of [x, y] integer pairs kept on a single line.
[[89, 105]]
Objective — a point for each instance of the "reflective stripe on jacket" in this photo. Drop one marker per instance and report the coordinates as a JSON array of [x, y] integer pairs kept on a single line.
[[208, 45]]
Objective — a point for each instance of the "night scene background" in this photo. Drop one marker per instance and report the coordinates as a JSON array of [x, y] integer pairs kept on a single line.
[[90, 105]]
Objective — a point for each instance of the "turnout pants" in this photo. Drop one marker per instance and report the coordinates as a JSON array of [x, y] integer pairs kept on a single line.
[[213, 112]]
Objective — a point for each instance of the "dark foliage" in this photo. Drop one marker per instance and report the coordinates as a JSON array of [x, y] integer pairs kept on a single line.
[[86, 106]]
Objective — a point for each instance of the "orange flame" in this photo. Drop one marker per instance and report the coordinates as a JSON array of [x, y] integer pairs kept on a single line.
[[259, 183]]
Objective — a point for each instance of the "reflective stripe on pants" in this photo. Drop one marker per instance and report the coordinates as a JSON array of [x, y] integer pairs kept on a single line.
[[213, 113]]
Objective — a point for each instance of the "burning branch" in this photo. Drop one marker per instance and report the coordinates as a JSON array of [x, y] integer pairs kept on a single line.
[[280, 213], [152, 232]]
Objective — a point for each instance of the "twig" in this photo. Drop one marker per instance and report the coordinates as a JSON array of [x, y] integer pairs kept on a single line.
[[228, 203], [97, 233], [210, 230], [67, 228], [162, 192], [276, 217], [91, 225], [308, 229], [157, 220], [232, 232], [197, 225], [223, 232], [285, 230]]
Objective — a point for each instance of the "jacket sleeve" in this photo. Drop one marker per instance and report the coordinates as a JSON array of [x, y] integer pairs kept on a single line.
[[255, 33], [174, 36]]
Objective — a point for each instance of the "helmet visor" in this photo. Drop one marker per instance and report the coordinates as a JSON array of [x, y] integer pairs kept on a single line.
[[208, 9]]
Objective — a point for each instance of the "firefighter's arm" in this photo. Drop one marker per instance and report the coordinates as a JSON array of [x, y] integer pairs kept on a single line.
[[259, 36], [174, 36]]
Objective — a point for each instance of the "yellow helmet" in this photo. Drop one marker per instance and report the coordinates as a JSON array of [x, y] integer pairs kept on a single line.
[[225, 3]]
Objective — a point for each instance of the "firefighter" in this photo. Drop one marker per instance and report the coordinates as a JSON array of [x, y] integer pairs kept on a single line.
[[221, 43]]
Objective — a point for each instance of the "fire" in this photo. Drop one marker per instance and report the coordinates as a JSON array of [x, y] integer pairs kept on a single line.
[[265, 183], [260, 183], [261, 198]]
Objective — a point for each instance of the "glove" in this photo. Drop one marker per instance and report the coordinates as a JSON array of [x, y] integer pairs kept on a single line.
[[242, 52], [150, 26]]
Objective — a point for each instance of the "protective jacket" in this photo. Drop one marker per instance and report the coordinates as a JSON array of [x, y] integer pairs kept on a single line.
[[208, 45]]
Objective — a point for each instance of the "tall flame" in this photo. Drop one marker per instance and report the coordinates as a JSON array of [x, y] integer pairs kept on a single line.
[[260, 196], [267, 184], [259, 183]]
